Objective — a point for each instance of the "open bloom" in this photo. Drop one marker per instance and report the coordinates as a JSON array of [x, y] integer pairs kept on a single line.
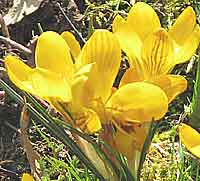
[[85, 87], [152, 51], [190, 138]]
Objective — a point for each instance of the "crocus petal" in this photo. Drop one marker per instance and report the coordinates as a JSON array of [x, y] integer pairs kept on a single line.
[[183, 26], [39, 82], [93, 122], [85, 70], [138, 101], [128, 141], [173, 85], [77, 88], [190, 138], [104, 49], [87, 120], [143, 19], [50, 85], [124, 143], [73, 44], [131, 75], [118, 23], [158, 54], [184, 51], [129, 40], [19, 73], [52, 53]]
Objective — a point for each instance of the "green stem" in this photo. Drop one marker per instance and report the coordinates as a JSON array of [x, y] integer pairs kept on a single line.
[[195, 105]]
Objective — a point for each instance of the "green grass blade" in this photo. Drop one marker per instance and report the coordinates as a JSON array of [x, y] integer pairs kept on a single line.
[[195, 104]]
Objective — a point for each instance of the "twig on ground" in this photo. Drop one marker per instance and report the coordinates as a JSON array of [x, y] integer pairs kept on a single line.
[[8, 172], [5, 162], [15, 44]]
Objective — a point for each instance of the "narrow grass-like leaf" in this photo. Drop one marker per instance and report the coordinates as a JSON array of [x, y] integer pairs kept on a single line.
[[195, 104]]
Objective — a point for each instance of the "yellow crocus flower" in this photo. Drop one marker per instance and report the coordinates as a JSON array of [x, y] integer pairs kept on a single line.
[[85, 87], [190, 138], [130, 104], [152, 51]]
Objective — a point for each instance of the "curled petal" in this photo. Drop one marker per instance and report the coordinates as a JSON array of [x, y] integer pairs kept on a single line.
[[143, 20], [138, 101], [52, 53], [183, 26], [103, 49], [73, 44], [93, 122], [158, 54], [19, 73], [39, 82], [190, 138], [173, 85]]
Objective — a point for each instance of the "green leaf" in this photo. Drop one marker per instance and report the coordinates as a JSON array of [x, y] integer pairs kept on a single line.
[[195, 104]]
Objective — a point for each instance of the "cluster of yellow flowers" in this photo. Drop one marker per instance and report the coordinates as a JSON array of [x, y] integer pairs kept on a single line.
[[81, 80]]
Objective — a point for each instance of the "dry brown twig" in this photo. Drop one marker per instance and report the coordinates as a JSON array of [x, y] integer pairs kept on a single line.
[[11, 43], [16, 45]]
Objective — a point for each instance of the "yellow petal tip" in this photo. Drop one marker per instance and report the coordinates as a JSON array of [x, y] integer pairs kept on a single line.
[[190, 138]]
